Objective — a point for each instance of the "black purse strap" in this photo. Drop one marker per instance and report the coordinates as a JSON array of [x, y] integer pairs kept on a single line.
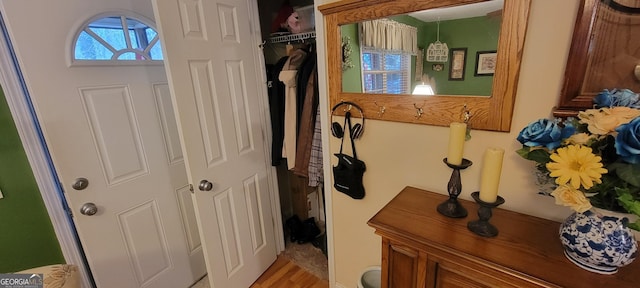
[[347, 121]]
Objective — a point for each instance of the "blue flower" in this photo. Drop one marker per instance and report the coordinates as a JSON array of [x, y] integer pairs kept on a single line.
[[628, 141], [545, 132], [617, 97]]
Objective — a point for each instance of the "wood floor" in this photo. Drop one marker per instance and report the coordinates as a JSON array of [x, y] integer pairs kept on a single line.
[[285, 274]]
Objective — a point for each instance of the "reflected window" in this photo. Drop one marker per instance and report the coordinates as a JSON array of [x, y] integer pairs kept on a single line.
[[117, 38], [385, 72]]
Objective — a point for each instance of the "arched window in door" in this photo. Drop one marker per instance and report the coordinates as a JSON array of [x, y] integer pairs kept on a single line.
[[116, 38]]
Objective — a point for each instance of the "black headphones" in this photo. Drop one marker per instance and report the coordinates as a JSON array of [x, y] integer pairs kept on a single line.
[[356, 131]]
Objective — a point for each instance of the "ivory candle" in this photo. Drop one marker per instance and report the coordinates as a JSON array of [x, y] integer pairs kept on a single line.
[[490, 179], [457, 133]]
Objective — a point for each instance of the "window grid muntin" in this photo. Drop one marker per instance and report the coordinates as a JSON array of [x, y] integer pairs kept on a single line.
[[378, 58], [132, 43]]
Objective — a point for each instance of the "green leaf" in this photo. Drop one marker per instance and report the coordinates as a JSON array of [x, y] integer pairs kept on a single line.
[[614, 166], [629, 173], [524, 152], [626, 200], [539, 155], [635, 225]]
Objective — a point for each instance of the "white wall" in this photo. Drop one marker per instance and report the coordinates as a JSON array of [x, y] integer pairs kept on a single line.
[[399, 155]]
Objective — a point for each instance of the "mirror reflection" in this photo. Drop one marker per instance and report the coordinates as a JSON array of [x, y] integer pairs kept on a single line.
[[445, 51]]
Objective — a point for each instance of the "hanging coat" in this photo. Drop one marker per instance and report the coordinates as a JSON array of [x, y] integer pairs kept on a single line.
[[276, 107], [306, 122], [288, 76]]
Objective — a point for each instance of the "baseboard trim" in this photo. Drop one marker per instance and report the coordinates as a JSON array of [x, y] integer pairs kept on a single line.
[[338, 285]]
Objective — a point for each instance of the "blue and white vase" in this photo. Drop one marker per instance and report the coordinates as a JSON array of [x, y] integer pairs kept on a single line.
[[598, 240]]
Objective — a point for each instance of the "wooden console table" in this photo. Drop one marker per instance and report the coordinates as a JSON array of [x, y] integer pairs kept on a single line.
[[421, 248]]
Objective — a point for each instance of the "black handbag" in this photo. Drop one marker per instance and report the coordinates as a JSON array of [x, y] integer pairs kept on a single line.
[[347, 175]]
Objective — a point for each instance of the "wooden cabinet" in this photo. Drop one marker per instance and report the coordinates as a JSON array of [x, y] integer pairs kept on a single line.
[[421, 248]]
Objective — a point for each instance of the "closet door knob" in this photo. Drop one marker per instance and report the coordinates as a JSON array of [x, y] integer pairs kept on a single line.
[[205, 185]]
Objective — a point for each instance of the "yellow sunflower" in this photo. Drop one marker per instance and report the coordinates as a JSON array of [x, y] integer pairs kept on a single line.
[[576, 165]]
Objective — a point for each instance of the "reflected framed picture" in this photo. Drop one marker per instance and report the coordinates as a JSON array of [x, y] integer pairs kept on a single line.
[[457, 63], [485, 63]]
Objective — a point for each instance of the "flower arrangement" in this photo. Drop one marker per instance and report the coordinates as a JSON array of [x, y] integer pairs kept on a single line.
[[594, 160]]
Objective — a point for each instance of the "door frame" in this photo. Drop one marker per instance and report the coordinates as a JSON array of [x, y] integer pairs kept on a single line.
[[28, 127], [325, 123]]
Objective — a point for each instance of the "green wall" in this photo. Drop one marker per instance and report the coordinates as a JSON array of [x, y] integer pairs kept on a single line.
[[27, 238], [351, 78], [475, 34]]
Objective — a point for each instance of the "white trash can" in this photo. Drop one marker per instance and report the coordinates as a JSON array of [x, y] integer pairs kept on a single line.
[[370, 277]]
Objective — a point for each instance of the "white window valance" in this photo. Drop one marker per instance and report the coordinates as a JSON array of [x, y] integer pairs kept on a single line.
[[387, 34]]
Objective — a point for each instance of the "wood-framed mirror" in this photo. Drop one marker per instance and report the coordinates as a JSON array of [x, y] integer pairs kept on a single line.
[[604, 53], [487, 113]]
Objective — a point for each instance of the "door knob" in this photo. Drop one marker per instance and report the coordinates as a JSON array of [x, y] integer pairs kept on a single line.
[[89, 209], [205, 185], [80, 183]]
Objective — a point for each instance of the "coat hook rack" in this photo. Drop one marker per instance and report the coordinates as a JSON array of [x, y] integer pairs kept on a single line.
[[347, 103], [381, 109], [349, 106], [466, 114], [419, 110]]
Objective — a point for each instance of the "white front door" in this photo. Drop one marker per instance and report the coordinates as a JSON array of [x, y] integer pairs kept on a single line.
[[213, 71], [115, 126]]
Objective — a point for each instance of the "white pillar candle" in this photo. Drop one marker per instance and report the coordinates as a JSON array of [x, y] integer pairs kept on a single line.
[[491, 169], [457, 134]]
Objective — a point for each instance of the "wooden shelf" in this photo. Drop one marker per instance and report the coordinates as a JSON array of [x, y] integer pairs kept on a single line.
[[293, 37]]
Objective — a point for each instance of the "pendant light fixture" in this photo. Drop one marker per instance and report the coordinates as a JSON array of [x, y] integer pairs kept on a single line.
[[437, 51], [425, 87]]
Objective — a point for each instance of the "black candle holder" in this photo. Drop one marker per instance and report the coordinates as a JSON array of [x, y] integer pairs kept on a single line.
[[451, 207], [482, 226]]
